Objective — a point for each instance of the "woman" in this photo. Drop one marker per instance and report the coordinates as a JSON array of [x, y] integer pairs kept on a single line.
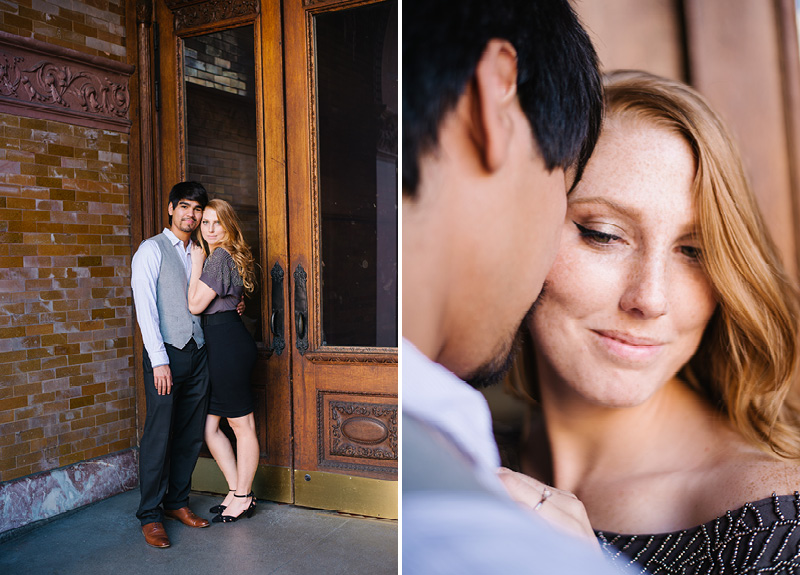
[[664, 348], [215, 288]]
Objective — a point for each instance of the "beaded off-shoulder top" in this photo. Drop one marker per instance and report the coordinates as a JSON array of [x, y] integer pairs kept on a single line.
[[759, 537]]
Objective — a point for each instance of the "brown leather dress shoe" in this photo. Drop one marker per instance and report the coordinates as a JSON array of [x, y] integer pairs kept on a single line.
[[155, 535], [185, 516]]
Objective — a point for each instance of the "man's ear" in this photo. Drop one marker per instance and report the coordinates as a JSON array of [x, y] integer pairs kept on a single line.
[[496, 95], [170, 209]]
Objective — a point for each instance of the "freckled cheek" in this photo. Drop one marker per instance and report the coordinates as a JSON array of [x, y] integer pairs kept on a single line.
[[580, 286], [694, 305]]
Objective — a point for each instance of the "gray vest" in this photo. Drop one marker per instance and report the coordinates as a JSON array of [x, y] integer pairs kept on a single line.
[[177, 325]]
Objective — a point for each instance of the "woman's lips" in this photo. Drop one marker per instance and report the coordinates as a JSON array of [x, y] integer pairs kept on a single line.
[[628, 347]]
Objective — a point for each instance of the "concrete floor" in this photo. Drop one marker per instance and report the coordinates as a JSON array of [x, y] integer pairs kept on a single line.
[[105, 539]]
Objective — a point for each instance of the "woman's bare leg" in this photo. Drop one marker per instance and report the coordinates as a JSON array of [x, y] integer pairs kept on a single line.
[[247, 455], [221, 449]]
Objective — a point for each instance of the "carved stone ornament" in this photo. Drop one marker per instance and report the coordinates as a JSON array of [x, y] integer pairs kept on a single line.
[[212, 12], [41, 80]]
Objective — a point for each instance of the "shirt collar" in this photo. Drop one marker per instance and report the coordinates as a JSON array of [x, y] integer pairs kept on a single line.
[[441, 398], [175, 240]]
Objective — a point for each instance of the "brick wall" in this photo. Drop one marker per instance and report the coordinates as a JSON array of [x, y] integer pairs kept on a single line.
[[66, 392], [66, 377], [95, 27]]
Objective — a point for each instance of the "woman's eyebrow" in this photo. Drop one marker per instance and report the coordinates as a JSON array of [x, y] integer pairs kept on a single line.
[[628, 211], [689, 233]]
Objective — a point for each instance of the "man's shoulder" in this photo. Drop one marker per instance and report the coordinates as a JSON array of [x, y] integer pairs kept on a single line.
[[149, 247]]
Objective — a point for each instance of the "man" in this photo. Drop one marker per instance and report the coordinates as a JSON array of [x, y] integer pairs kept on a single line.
[[175, 370], [502, 107]]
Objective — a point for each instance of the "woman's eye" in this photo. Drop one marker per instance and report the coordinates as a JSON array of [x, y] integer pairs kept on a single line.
[[596, 236], [691, 252]]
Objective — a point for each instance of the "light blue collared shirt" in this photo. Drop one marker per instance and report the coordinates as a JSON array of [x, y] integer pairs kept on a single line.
[[145, 267], [437, 396]]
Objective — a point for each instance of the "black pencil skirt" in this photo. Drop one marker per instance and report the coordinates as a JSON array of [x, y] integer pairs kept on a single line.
[[231, 358]]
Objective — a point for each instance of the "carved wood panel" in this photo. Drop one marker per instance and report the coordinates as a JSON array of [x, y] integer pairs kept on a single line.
[[190, 15], [357, 432]]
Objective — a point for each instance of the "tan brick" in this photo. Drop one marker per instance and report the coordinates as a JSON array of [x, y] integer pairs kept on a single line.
[[68, 371], [69, 459], [62, 194], [52, 363], [8, 214], [34, 170], [13, 403], [12, 332], [55, 339], [60, 150], [39, 329], [23, 24], [22, 250], [49, 228], [78, 402], [29, 365], [26, 226], [45, 400], [81, 381], [102, 313]]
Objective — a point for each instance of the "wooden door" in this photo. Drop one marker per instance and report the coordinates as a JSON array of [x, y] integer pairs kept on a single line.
[[341, 115], [326, 409]]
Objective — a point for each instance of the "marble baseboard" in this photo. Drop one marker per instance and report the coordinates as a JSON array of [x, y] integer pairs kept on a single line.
[[44, 495]]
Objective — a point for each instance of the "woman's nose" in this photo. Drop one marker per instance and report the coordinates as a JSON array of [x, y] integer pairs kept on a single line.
[[646, 291]]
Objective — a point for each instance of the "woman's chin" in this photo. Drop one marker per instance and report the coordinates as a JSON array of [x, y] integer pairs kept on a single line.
[[617, 397]]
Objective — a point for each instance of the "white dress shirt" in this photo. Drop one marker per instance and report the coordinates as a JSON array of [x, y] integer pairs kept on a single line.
[[145, 267]]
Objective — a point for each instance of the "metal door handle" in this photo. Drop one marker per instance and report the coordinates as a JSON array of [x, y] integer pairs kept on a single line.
[[300, 309], [276, 317]]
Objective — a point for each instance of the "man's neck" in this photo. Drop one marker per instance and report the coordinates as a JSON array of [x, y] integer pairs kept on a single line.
[[423, 288], [181, 235]]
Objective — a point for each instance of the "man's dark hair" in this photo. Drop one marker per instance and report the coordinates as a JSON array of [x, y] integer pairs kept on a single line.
[[193, 191], [558, 83]]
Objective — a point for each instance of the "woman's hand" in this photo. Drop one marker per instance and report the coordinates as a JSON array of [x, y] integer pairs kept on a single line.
[[561, 508], [198, 255]]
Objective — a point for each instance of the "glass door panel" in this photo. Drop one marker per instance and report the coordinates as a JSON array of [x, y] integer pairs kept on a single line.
[[357, 147]]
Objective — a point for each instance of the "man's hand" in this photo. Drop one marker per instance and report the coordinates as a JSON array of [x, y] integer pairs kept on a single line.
[[163, 379], [240, 307], [561, 508]]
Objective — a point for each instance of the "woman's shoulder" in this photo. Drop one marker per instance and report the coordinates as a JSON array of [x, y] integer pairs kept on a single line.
[[221, 253], [760, 536], [746, 474]]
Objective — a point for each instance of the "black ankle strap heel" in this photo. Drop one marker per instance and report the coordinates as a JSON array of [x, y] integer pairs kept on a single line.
[[246, 513], [220, 508]]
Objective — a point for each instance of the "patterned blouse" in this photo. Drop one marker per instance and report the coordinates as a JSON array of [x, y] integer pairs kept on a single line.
[[221, 275], [760, 537]]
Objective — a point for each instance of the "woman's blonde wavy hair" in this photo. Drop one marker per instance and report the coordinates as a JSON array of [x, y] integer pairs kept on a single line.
[[747, 361], [234, 243]]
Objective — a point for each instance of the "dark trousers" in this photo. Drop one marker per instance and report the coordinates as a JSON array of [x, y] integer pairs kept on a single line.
[[173, 432]]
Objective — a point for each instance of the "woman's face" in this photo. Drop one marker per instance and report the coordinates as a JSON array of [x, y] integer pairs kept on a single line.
[[627, 301], [212, 230]]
